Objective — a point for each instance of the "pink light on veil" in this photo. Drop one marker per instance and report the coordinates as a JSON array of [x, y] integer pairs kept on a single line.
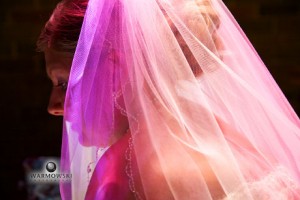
[[217, 121]]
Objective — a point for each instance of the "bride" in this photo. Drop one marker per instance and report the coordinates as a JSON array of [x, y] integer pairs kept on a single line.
[[166, 99]]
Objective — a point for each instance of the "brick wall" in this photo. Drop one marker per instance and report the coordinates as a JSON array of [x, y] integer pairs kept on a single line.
[[26, 128]]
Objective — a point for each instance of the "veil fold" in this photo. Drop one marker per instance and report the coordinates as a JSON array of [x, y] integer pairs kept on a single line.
[[202, 115]]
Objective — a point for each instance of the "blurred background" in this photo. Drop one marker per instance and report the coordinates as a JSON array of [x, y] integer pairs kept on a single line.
[[28, 131]]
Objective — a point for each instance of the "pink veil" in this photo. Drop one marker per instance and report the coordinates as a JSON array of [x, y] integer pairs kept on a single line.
[[194, 95]]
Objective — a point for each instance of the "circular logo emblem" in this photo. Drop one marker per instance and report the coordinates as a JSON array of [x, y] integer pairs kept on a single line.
[[51, 167]]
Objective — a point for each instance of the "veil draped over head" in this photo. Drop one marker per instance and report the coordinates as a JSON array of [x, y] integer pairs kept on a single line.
[[206, 120]]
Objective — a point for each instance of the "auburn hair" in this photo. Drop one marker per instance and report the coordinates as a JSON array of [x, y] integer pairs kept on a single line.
[[62, 30]]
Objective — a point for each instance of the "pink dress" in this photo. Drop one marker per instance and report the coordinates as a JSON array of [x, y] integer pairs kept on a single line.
[[109, 180]]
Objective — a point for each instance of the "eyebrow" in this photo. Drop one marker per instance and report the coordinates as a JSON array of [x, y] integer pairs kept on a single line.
[[58, 69]]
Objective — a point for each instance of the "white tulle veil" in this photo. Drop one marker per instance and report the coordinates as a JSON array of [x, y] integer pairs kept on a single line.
[[195, 96]]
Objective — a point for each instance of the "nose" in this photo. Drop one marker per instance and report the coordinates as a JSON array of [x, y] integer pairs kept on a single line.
[[56, 102]]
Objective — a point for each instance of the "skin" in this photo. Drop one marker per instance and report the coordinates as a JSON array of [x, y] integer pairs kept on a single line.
[[58, 69]]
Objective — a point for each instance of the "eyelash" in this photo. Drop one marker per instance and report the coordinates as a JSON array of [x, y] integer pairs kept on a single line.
[[62, 85]]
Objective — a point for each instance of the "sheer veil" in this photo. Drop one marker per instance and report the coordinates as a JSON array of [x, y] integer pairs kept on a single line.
[[200, 105]]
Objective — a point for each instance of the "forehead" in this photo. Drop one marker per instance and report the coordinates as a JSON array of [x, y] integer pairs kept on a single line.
[[57, 60]]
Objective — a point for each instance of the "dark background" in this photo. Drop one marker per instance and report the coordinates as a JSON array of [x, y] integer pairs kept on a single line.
[[27, 130]]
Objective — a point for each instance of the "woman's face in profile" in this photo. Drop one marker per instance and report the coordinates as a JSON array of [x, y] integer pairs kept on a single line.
[[58, 67]]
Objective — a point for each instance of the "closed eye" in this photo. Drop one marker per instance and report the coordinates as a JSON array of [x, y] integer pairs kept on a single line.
[[63, 86]]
